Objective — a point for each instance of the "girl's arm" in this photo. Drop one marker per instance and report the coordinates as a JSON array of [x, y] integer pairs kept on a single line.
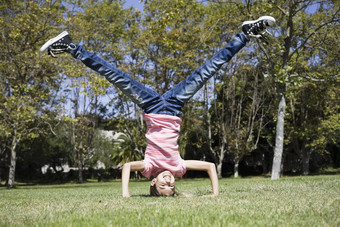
[[209, 168], [127, 168]]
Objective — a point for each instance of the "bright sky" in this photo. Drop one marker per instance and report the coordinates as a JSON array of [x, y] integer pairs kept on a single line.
[[134, 3]]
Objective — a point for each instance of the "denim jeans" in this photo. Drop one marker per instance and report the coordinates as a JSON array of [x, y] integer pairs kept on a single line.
[[171, 102]]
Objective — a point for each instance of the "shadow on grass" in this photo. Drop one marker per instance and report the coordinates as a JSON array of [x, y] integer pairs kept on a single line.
[[142, 196], [68, 184], [23, 186]]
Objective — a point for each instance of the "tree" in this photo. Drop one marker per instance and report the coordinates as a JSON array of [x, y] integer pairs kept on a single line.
[[236, 115], [288, 57], [103, 25], [239, 113], [50, 149], [27, 80], [315, 88], [294, 42], [169, 42]]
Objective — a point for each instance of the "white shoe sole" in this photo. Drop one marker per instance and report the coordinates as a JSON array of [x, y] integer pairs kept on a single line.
[[270, 20], [51, 41]]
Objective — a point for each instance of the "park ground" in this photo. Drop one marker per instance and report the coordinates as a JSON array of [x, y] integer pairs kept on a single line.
[[256, 201]]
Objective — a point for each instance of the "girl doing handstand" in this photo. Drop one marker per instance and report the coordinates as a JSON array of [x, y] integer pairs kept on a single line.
[[162, 112]]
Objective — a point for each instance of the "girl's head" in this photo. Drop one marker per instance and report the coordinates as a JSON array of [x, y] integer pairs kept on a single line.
[[163, 184]]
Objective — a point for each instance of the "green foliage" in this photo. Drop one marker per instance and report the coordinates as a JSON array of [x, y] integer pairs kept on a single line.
[[131, 142], [51, 148], [102, 150], [169, 42], [124, 151], [27, 82], [26, 79]]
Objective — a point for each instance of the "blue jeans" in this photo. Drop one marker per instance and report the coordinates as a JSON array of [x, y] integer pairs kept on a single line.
[[171, 102]]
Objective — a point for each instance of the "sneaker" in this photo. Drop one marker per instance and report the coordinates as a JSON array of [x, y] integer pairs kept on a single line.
[[257, 28], [58, 45]]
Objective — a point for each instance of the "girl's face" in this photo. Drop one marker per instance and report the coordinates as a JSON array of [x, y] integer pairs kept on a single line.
[[165, 183]]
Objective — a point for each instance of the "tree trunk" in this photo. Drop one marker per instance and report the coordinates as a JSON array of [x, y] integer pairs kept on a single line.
[[11, 174], [80, 172], [220, 162], [264, 164], [276, 169], [1, 172], [305, 161], [219, 170], [236, 165]]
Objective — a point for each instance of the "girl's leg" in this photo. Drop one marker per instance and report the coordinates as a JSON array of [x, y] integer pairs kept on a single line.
[[179, 95], [144, 97]]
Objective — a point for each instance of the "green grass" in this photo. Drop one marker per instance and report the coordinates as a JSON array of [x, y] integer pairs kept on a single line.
[[291, 201]]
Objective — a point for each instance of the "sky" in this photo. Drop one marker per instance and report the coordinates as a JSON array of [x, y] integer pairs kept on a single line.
[[134, 3]]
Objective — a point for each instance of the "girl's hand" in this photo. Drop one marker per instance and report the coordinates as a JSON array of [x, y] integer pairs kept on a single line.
[[211, 195], [207, 167], [126, 195], [127, 168]]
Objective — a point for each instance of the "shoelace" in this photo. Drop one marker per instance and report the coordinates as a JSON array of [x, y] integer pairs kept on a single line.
[[261, 29], [57, 48], [258, 27], [54, 52]]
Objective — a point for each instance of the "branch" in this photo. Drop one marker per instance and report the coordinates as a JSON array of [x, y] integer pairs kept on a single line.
[[51, 129], [264, 50], [315, 79], [323, 49], [311, 34], [282, 10]]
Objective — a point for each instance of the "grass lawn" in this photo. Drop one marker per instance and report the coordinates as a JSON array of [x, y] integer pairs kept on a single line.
[[290, 201]]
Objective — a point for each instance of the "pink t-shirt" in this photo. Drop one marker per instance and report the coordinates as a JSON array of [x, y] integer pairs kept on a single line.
[[162, 150]]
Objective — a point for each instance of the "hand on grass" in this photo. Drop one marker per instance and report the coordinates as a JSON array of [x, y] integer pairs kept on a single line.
[[211, 195]]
